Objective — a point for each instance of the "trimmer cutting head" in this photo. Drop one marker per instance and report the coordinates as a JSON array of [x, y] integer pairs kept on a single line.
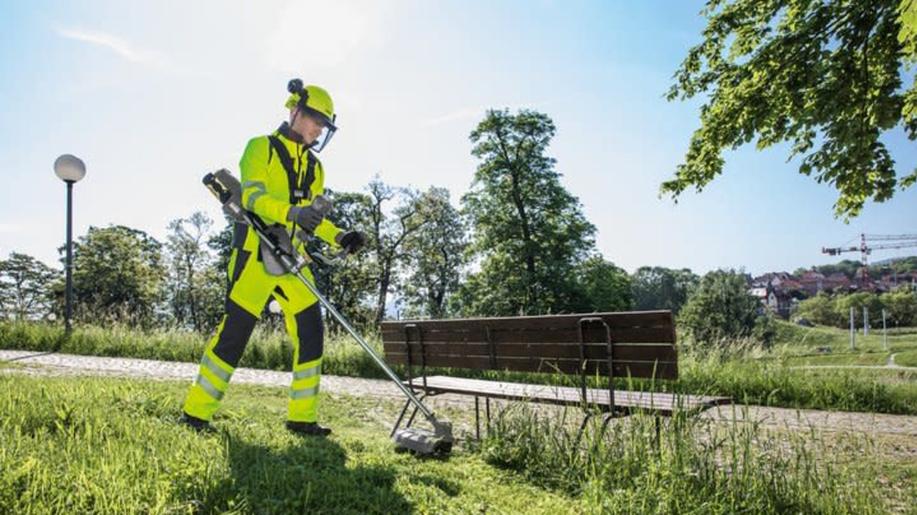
[[425, 442]]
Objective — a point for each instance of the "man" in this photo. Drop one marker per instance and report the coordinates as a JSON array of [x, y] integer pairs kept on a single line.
[[280, 179]]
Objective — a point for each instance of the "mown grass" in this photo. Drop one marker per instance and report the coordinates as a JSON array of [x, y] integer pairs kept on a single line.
[[906, 359], [90, 445], [875, 359], [745, 372], [795, 340]]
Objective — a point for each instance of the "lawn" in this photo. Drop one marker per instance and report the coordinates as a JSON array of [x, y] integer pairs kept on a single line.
[[93, 445], [112, 446]]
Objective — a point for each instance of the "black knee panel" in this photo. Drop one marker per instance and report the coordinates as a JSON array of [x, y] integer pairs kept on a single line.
[[311, 333], [237, 329]]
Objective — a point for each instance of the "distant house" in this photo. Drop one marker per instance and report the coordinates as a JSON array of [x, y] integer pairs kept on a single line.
[[783, 303], [812, 282], [893, 281], [770, 279], [759, 292], [837, 282]]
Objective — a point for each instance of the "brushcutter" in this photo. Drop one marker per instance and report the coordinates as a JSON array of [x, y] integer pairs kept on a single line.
[[228, 191]]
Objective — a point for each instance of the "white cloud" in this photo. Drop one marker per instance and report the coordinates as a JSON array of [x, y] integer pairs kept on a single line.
[[466, 113], [476, 113], [322, 34], [117, 45], [8, 228]]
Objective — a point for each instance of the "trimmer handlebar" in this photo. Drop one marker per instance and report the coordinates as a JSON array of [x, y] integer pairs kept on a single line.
[[217, 188]]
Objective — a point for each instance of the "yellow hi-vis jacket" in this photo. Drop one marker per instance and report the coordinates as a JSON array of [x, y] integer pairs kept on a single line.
[[266, 185]]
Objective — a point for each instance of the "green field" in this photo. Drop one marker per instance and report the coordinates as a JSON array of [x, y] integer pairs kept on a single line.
[[831, 346], [88, 445], [907, 358]]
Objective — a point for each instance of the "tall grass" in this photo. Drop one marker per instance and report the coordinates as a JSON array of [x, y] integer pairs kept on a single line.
[[692, 466], [267, 349], [774, 383]]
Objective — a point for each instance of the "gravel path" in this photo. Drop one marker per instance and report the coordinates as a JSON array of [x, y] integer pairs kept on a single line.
[[860, 367], [53, 364]]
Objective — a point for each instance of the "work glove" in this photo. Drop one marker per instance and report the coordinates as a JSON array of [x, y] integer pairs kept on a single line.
[[352, 241], [307, 217]]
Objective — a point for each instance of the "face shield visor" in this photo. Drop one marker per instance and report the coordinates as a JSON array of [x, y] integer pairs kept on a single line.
[[328, 129]]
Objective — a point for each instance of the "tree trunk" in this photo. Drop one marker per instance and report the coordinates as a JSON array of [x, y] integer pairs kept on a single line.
[[526, 239], [384, 281]]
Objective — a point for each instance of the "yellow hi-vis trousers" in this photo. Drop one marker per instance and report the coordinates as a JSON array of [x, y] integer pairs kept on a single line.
[[250, 287]]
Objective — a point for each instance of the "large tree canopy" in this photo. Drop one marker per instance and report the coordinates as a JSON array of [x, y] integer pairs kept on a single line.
[[26, 287], [529, 231], [117, 276], [435, 256], [824, 76]]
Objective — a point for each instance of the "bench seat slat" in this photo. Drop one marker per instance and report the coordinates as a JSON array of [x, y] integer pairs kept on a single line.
[[665, 403]]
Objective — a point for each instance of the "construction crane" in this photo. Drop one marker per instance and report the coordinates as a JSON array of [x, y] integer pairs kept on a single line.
[[894, 241]]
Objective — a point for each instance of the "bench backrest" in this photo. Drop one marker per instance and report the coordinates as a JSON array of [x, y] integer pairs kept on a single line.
[[642, 344]]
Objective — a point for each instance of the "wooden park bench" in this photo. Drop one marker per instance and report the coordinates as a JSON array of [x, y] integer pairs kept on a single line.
[[607, 345]]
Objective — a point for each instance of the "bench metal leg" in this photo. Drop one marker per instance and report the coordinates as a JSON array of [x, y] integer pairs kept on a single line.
[[658, 423], [606, 419], [487, 410], [477, 418], [414, 413], [582, 427], [400, 418]]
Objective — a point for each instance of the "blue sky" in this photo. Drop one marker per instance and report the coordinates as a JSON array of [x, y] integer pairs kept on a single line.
[[152, 95]]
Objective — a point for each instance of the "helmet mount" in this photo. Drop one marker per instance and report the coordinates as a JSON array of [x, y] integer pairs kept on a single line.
[[317, 104]]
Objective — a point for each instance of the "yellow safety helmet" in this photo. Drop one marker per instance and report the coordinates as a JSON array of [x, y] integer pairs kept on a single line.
[[316, 102]]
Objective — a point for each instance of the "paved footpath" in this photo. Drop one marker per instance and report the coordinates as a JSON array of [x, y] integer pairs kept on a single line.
[[41, 363]]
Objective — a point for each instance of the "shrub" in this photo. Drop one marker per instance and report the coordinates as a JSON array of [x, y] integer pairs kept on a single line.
[[720, 308]]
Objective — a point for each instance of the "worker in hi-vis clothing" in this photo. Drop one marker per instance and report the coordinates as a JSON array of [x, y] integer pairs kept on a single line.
[[280, 179]]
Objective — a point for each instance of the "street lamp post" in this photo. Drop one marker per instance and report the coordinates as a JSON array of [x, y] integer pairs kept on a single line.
[[69, 169]]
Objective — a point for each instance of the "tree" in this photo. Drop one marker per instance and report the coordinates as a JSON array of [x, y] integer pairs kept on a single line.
[[858, 301], [823, 76], [529, 231], [436, 255], [603, 286], [901, 305], [720, 308], [388, 234], [25, 287], [193, 287], [821, 309], [221, 244], [118, 274], [662, 288], [351, 286], [848, 267]]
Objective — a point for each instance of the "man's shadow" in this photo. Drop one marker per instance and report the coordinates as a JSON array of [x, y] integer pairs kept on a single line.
[[309, 476]]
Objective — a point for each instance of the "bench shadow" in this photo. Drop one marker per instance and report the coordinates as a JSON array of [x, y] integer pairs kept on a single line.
[[309, 476]]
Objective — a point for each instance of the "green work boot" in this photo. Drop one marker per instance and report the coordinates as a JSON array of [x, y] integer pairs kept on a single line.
[[307, 429]]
